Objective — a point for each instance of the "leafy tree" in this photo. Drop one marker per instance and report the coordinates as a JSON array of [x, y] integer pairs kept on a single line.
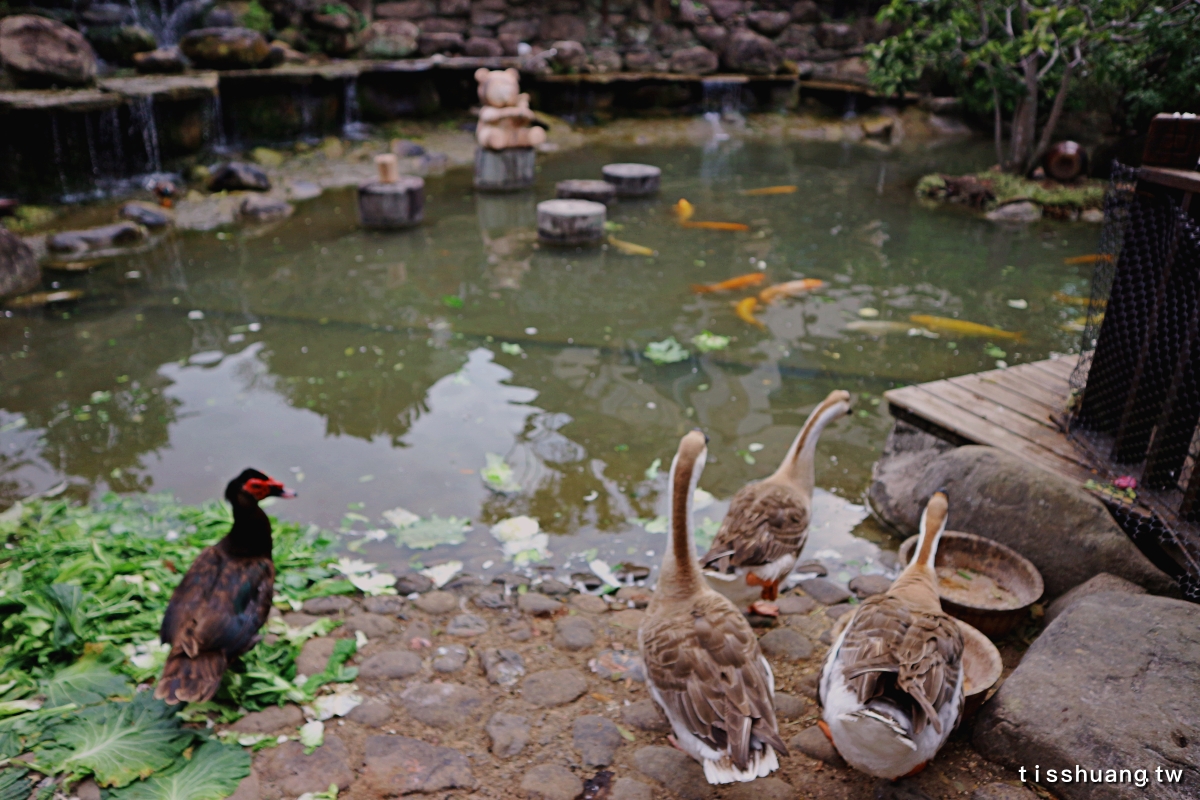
[[1013, 56]]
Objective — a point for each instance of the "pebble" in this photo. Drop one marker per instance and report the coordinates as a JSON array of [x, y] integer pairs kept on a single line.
[[467, 625], [443, 705], [638, 595], [675, 769], [761, 789], [618, 665], [314, 655], [796, 604], [554, 687], [589, 603], [574, 633], [511, 580], [503, 667], [286, 771], [551, 782], [437, 602], [518, 630], [786, 643], [629, 789], [373, 626], [538, 604], [398, 765], [836, 612], [645, 715], [334, 604], [298, 619], [992, 791], [788, 706], [825, 592], [811, 567], [815, 744], [88, 789], [492, 600], [450, 658], [509, 734], [413, 582], [391, 664], [553, 587], [418, 634], [596, 739], [372, 713], [630, 618], [269, 720], [808, 685], [865, 586], [389, 605]]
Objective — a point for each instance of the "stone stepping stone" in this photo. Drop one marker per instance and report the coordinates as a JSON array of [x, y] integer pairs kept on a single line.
[[788, 706], [645, 715], [509, 734], [388, 605], [825, 591], [597, 739], [270, 720], [596, 191], [571, 223], [418, 635], [786, 643], [761, 789], [503, 667], [493, 600], [373, 714], [574, 633], [373, 626], [450, 658], [589, 603], [554, 687], [413, 583], [814, 744], [840, 610], [507, 170], [796, 604], [865, 586], [633, 180], [619, 665], [334, 604], [286, 771], [314, 656], [443, 705], [437, 602], [675, 769], [551, 782], [398, 765], [391, 664], [629, 789], [538, 604], [467, 625], [392, 202]]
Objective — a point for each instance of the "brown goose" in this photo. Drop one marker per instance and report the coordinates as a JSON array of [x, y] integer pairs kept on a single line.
[[703, 664], [767, 524], [892, 685]]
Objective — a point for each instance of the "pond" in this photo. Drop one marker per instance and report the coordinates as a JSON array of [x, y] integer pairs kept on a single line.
[[376, 371]]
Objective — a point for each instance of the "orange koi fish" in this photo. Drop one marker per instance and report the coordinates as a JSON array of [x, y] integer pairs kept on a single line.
[[717, 226], [745, 311], [629, 248], [767, 190], [964, 328], [1071, 300], [789, 289], [1089, 259], [740, 282], [684, 210]]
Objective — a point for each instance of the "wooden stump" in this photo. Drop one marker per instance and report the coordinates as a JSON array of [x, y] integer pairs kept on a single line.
[[633, 180], [392, 205], [596, 191], [571, 222], [504, 170]]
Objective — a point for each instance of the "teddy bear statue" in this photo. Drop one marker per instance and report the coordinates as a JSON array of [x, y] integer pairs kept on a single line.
[[505, 120]]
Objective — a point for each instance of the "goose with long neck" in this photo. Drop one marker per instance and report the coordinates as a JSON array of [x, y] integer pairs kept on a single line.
[[703, 663], [892, 685], [766, 527], [224, 598]]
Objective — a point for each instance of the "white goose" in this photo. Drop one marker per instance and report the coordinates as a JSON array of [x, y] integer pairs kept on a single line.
[[767, 524], [703, 664], [892, 685]]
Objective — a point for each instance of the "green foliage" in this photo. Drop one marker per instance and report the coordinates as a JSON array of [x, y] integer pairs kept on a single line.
[[117, 743], [13, 783], [257, 18], [668, 351], [89, 680], [213, 773]]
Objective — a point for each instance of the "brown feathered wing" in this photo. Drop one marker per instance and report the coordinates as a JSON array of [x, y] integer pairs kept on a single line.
[[706, 665], [766, 521]]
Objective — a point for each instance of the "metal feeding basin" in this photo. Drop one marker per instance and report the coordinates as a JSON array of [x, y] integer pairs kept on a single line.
[[981, 667], [982, 582]]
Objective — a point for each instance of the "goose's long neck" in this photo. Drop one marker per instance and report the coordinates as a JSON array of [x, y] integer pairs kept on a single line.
[[680, 573], [797, 465], [251, 531], [919, 578]]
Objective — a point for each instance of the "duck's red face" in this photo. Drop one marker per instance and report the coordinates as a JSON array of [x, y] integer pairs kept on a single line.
[[261, 489]]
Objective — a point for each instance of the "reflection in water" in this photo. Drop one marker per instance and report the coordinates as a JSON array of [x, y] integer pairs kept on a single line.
[[381, 369]]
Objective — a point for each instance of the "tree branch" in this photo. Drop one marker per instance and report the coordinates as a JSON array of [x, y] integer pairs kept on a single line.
[[1055, 110]]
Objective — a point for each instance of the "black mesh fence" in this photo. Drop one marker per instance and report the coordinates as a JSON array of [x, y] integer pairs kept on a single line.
[[1136, 391]]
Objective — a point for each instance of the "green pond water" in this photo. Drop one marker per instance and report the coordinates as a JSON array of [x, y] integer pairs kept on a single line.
[[373, 371]]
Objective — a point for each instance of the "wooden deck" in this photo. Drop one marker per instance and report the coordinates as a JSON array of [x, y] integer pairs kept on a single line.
[[1014, 409]]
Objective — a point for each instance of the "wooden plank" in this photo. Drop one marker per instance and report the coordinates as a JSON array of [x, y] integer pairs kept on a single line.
[[1185, 180], [1055, 384], [1013, 382], [1010, 421], [1062, 367], [980, 431], [1018, 403]]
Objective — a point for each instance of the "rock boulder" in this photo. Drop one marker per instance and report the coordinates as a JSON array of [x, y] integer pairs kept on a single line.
[[38, 51], [239, 176], [1112, 684], [225, 48], [752, 53], [391, 38], [119, 44], [19, 271], [1067, 534], [694, 61]]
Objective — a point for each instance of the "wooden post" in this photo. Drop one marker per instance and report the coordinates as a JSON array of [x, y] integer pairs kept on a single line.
[[508, 170], [633, 180], [571, 222], [393, 201], [596, 191]]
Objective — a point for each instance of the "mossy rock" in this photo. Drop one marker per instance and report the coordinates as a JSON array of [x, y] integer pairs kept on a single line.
[[987, 190]]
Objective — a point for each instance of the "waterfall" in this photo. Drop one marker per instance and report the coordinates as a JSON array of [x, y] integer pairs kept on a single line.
[[58, 151], [724, 97], [217, 115], [142, 112], [351, 127], [714, 119], [170, 24]]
